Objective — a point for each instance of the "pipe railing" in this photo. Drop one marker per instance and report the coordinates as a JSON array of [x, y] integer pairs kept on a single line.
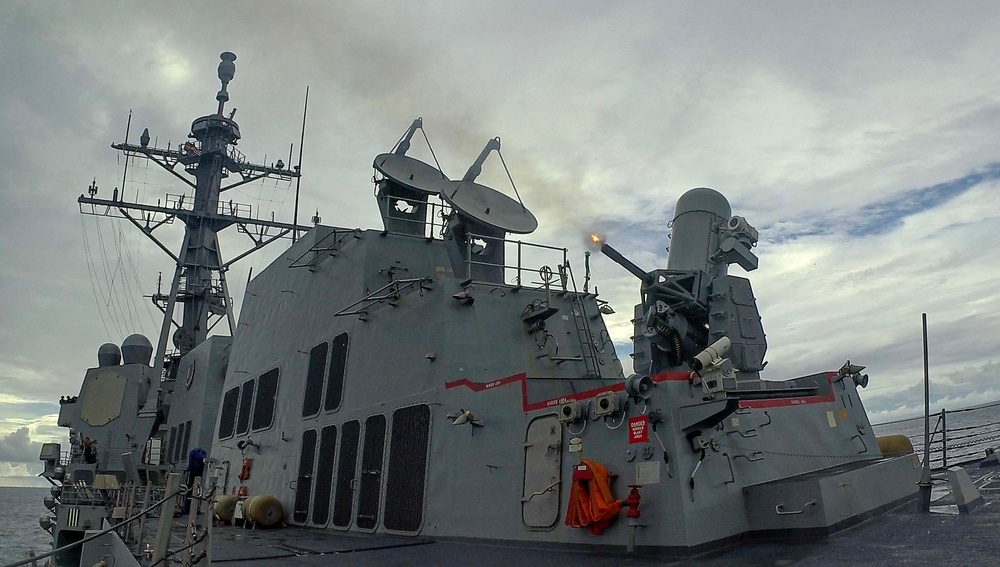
[[956, 445], [514, 273]]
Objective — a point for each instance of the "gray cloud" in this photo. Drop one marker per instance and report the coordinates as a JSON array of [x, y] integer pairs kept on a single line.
[[802, 117], [17, 447]]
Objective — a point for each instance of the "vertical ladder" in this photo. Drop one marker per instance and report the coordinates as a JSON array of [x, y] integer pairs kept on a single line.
[[588, 348]]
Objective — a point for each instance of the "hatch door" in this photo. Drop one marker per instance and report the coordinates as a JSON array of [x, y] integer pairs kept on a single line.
[[542, 472], [370, 484], [303, 486]]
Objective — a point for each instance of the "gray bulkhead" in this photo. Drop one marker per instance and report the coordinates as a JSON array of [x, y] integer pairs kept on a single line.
[[426, 347], [402, 354], [194, 398]]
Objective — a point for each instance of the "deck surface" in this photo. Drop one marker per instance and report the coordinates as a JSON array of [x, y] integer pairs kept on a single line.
[[903, 536]]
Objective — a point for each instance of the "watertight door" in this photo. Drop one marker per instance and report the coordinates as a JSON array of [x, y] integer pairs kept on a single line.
[[542, 472], [343, 499], [324, 475], [303, 486], [370, 484], [406, 471]]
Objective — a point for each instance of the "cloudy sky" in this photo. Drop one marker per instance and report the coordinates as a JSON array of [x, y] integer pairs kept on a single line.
[[861, 139]]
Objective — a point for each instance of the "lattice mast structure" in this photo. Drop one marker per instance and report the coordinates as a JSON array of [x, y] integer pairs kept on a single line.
[[199, 279]]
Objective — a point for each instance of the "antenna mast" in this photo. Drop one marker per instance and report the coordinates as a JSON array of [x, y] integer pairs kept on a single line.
[[199, 280], [298, 168]]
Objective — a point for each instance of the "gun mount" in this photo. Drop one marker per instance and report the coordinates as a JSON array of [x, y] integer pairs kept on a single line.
[[695, 302]]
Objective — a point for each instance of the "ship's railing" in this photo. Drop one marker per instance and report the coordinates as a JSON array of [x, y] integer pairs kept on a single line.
[[434, 221], [957, 436], [523, 254], [68, 456], [80, 493], [179, 201], [230, 208], [542, 258], [234, 209], [213, 285]]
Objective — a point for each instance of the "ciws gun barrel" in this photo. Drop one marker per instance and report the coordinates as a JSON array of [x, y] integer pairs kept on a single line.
[[624, 262]]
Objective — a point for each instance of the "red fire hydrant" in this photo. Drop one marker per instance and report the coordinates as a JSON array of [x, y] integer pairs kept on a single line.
[[632, 501], [632, 513]]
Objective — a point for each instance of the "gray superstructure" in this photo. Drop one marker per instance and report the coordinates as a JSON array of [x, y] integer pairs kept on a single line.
[[440, 378]]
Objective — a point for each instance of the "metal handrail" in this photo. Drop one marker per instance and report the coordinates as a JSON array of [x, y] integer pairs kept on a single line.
[[518, 267], [435, 219], [101, 533], [946, 447]]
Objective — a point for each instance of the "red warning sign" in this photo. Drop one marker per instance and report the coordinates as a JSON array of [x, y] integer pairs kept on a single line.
[[638, 429]]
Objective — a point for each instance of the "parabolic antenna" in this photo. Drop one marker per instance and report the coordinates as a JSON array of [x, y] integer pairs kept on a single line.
[[410, 173], [489, 206]]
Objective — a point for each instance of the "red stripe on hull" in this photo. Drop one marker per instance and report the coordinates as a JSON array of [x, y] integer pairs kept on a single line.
[[784, 402], [527, 406], [553, 402]]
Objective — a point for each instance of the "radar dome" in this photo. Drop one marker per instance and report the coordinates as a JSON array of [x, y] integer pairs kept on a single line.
[[703, 199], [109, 355], [136, 349], [694, 239]]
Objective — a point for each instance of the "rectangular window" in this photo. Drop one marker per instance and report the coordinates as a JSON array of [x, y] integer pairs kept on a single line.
[[177, 444], [263, 406], [314, 380], [243, 417], [171, 444], [338, 367], [227, 423], [187, 441]]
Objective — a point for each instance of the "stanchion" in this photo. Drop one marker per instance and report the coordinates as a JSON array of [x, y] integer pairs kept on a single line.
[[925, 474]]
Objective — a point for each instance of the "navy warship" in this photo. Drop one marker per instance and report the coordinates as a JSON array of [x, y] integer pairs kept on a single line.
[[439, 379]]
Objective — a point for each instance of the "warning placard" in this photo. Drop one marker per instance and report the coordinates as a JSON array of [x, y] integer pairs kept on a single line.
[[638, 429]]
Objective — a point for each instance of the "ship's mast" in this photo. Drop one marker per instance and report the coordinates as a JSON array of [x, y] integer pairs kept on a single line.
[[199, 281]]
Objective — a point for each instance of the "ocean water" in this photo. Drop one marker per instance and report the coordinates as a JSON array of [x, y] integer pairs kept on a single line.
[[19, 531]]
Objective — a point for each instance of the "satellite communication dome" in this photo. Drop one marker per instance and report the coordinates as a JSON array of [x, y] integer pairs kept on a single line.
[[109, 355], [136, 349]]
